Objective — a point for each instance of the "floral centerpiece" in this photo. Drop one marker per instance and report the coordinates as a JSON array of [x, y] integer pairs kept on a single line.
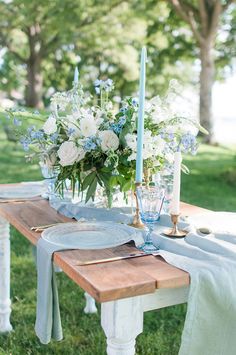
[[93, 143]]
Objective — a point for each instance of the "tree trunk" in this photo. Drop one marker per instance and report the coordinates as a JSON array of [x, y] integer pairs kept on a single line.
[[33, 95], [206, 86]]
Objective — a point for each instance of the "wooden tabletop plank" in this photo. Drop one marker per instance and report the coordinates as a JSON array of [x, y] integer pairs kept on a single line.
[[107, 281], [24, 215]]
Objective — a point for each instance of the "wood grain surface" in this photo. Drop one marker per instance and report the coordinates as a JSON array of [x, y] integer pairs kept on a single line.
[[108, 281]]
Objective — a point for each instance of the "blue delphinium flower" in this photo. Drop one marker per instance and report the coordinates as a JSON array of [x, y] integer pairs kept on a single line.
[[90, 144], [189, 143], [122, 121], [97, 89], [25, 141], [97, 82], [30, 129], [37, 134], [17, 122], [53, 137], [106, 85], [70, 131], [116, 128], [109, 85], [123, 109], [134, 101]]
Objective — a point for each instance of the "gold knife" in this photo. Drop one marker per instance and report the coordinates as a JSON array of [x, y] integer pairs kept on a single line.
[[116, 258]]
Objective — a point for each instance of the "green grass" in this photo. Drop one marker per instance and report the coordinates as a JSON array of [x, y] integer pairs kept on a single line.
[[207, 186]]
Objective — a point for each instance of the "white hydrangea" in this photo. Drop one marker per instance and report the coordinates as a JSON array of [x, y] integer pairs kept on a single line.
[[69, 153], [109, 140], [50, 126], [132, 156], [88, 126], [159, 145], [131, 141]]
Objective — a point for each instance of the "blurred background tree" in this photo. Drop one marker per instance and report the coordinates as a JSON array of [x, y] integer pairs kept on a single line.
[[42, 41]]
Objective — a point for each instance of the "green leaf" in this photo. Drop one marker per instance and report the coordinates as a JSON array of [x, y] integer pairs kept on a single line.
[[106, 179], [203, 130], [185, 169], [91, 190], [127, 186], [113, 181], [88, 180]]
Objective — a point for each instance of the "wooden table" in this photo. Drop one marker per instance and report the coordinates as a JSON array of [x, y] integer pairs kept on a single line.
[[126, 289]]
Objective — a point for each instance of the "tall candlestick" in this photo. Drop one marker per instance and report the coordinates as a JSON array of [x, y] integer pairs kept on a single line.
[[76, 76], [176, 184], [139, 159]]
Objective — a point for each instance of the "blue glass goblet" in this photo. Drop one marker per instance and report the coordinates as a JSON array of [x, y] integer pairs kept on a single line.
[[150, 203]]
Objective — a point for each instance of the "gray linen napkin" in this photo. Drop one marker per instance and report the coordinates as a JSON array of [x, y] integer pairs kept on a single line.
[[48, 321]]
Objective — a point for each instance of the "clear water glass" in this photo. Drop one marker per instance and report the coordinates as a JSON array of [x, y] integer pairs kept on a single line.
[[151, 201]]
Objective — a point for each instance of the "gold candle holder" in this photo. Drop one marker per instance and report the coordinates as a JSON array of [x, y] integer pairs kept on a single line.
[[137, 223], [175, 232]]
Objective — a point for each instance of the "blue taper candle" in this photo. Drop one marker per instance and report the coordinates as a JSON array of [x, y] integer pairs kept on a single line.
[[139, 159], [76, 76]]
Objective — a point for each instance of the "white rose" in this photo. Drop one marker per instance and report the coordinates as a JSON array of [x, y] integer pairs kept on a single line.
[[88, 127], [50, 126], [68, 153], [109, 140]]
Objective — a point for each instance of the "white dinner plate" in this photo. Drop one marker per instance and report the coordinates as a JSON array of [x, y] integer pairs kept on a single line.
[[91, 235], [22, 191], [215, 221]]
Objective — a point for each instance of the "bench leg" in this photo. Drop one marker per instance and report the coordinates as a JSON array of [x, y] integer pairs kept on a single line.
[[122, 322], [5, 302], [90, 304]]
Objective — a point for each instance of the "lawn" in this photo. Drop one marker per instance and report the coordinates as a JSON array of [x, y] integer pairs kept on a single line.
[[209, 185]]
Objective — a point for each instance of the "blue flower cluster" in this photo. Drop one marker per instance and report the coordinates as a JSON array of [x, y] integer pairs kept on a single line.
[[189, 143], [106, 85], [91, 143], [16, 122], [25, 142], [117, 127], [70, 131], [53, 137], [37, 135], [124, 109], [134, 101]]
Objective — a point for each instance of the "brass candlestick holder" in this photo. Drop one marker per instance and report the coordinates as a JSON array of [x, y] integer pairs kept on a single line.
[[137, 223], [175, 232]]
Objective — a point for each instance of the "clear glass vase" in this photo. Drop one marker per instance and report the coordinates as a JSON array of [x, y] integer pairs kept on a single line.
[[50, 174], [165, 180]]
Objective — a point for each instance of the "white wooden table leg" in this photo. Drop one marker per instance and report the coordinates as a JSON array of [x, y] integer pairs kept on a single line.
[[5, 302], [90, 304], [122, 321]]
